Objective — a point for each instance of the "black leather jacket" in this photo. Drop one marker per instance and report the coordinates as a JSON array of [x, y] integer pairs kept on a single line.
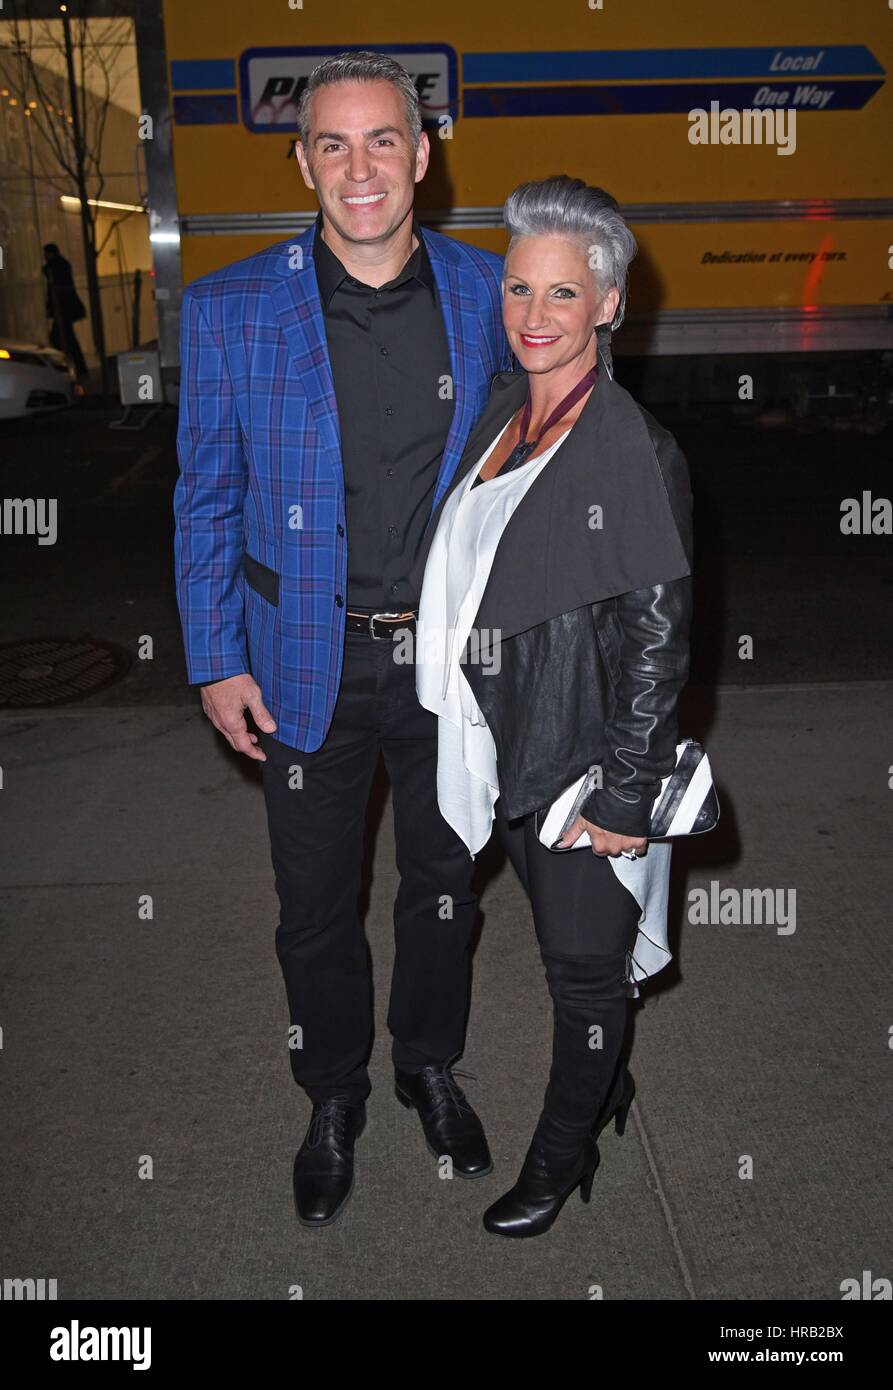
[[598, 685], [571, 683]]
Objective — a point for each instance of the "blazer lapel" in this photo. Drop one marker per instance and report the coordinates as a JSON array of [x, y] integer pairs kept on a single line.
[[457, 290], [296, 300], [506, 396]]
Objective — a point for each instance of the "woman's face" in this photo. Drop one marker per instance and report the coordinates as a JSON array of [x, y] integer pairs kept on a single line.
[[551, 301]]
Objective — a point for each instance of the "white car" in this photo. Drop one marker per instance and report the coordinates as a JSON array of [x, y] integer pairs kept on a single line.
[[34, 380]]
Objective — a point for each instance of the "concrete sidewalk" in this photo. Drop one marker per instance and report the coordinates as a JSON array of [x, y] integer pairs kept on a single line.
[[125, 1038]]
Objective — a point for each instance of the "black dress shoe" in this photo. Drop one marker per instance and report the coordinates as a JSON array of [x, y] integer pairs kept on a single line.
[[554, 1167], [323, 1172], [451, 1127]]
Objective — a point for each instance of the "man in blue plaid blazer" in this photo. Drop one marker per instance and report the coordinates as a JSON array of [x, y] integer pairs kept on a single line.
[[328, 387]]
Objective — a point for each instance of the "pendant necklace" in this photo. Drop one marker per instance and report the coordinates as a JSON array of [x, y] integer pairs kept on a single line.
[[525, 447]]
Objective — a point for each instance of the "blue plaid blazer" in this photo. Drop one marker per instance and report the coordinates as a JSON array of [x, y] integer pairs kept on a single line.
[[261, 485]]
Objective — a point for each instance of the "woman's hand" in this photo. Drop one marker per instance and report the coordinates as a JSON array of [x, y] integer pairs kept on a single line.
[[603, 841]]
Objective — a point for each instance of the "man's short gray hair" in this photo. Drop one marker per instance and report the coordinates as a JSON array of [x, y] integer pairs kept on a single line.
[[361, 65], [562, 206]]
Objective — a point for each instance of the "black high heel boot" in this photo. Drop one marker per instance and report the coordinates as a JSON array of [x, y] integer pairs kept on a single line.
[[617, 1108], [557, 1163], [563, 1153]]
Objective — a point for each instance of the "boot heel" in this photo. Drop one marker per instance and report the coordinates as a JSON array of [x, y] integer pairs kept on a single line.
[[623, 1109], [588, 1176]]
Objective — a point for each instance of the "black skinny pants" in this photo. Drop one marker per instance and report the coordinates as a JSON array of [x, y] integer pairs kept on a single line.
[[585, 921]]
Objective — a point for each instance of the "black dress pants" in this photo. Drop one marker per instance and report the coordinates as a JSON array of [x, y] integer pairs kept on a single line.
[[316, 812], [585, 921]]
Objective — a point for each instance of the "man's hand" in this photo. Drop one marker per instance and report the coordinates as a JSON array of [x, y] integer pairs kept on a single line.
[[603, 841], [225, 702]]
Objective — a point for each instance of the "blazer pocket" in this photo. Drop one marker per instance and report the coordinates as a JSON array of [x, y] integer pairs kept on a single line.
[[262, 579]]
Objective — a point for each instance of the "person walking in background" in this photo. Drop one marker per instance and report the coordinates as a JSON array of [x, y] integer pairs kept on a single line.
[[328, 387], [63, 306]]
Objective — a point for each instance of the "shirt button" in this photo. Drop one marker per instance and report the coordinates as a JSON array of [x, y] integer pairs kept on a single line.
[[390, 472], [340, 529], [388, 410], [392, 530], [394, 588], [384, 352], [339, 600]]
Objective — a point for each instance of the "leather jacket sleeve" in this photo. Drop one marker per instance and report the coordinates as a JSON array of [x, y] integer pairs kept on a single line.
[[651, 667]]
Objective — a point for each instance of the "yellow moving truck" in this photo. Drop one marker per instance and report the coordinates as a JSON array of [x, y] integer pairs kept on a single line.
[[747, 144]]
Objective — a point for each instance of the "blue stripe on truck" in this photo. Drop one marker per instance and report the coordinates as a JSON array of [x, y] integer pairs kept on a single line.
[[643, 100], [203, 74], [632, 64], [218, 109]]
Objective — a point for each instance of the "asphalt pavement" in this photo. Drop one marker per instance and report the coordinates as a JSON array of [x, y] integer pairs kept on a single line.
[[150, 1115]]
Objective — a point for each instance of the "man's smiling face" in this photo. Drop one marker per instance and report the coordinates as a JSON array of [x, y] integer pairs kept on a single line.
[[360, 159]]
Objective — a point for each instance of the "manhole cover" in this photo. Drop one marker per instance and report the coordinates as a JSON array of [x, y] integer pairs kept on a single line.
[[57, 670]]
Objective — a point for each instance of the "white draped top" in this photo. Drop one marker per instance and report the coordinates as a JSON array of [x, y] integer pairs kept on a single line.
[[459, 562]]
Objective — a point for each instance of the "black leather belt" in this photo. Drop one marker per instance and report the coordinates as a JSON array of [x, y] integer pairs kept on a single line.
[[380, 625]]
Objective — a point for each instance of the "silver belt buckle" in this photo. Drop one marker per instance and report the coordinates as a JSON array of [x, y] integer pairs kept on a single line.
[[385, 636]]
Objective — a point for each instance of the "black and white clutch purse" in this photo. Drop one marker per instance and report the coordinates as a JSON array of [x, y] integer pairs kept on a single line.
[[686, 804]]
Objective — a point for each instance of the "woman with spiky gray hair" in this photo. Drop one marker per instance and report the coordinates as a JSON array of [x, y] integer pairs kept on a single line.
[[563, 551]]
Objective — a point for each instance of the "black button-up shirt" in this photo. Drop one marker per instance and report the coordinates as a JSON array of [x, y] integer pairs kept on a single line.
[[393, 387]]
